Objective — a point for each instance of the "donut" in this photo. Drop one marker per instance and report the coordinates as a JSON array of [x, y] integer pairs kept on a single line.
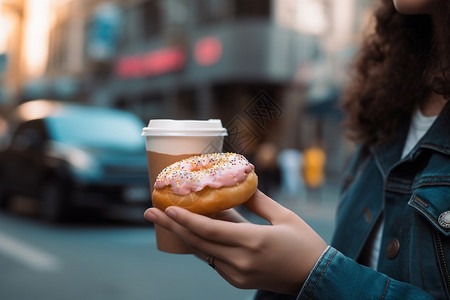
[[206, 183]]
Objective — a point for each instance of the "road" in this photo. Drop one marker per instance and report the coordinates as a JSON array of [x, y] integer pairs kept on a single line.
[[98, 261], [114, 260]]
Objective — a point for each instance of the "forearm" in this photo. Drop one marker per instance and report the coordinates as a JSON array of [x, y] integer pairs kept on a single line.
[[339, 277]]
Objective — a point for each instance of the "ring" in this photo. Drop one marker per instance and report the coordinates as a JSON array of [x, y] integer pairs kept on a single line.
[[210, 261]]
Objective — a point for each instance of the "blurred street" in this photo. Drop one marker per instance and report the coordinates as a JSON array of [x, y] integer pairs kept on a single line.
[[101, 260], [79, 79], [105, 259]]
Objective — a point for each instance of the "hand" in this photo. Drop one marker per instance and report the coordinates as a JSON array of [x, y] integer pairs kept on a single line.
[[276, 257]]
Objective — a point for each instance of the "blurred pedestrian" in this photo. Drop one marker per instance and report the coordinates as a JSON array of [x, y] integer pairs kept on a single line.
[[392, 237], [266, 165], [313, 170], [290, 161]]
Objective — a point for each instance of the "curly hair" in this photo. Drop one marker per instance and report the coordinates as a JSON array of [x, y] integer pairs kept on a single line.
[[398, 67]]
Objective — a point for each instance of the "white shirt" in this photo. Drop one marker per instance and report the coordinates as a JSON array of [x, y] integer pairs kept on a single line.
[[417, 129]]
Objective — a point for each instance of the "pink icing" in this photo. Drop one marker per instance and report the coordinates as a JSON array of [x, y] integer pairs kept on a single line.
[[214, 170]]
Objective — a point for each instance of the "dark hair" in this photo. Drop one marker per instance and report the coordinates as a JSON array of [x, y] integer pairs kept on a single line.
[[399, 65]]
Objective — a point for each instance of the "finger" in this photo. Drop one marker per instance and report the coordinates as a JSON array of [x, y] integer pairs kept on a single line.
[[223, 269], [211, 243], [230, 215], [218, 265], [155, 215], [158, 217], [265, 207], [218, 231], [161, 219], [230, 269], [218, 256]]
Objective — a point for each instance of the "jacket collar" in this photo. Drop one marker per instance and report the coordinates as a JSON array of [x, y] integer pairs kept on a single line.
[[387, 154], [437, 138]]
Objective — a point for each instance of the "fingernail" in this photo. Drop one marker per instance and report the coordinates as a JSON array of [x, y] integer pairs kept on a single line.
[[150, 216], [171, 213]]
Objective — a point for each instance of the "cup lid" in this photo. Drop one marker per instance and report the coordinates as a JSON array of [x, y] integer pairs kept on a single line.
[[168, 127]]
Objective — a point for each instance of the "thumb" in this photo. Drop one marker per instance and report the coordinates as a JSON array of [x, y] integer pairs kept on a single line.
[[267, 208]]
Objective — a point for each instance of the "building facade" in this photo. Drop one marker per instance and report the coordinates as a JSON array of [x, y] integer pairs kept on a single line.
[[258, 65]]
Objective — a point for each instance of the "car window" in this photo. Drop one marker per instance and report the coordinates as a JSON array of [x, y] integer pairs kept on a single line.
[[97, 128], [30, 134]]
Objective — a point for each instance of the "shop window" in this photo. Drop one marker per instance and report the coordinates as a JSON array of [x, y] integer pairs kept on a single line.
[[213, 11], [186, 105], [58, 47], [252, 8], [177, 12], [150, 18]]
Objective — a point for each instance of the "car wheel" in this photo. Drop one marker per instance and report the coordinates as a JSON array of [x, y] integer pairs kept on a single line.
[[55, 202]]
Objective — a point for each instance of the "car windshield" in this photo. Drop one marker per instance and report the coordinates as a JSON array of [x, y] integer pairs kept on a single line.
[[95, 127]]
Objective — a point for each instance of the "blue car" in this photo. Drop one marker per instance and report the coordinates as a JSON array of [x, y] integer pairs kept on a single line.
[[74, 159]]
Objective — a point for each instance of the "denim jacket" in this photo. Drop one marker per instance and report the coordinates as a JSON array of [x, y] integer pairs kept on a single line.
[[412, 195]]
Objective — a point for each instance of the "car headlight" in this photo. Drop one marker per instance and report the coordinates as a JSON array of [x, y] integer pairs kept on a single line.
[[82, 163]]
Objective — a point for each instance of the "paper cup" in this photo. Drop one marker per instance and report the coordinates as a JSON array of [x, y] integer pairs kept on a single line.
[[168, 141]]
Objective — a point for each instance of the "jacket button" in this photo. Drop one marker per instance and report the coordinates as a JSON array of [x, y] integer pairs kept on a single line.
[[444, 220], [392, 248]]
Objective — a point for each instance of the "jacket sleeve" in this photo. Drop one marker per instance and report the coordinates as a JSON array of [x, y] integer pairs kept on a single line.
[[336, 276]]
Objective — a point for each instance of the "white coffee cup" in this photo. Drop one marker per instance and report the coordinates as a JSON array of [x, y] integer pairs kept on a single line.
[[168, 141]]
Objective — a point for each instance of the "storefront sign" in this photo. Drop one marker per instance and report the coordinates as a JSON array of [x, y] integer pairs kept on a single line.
[[208, 51], [153, 63]]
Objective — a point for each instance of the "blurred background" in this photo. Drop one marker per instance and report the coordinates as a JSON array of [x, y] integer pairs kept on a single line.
[[73, 192]]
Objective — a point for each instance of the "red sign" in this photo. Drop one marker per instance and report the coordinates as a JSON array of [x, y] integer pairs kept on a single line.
[[153, 63], [208, 51]]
